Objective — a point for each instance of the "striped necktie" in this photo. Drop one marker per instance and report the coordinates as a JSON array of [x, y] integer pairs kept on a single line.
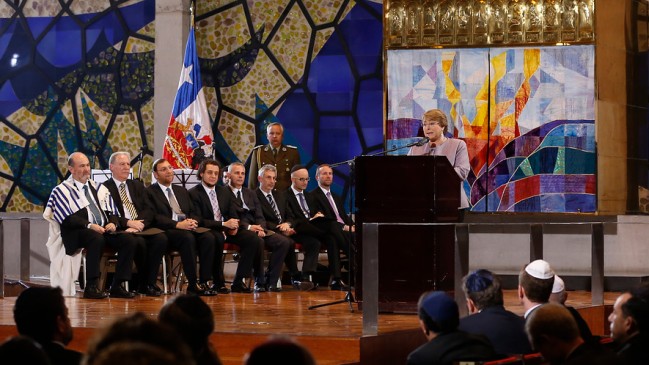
[[215, 206], [94, 210], [173, 202], [274, 206], [126, 202], [305, 208]]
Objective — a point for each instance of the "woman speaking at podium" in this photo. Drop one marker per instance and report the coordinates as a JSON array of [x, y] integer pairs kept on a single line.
[[435, 125]]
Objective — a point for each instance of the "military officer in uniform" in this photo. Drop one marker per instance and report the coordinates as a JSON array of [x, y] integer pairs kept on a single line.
[[282, 156]]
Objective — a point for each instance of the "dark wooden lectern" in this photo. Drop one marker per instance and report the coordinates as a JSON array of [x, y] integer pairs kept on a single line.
[[415, 258]]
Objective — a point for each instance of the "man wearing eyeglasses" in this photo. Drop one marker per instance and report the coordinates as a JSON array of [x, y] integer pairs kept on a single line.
[[435, 127], [310, 220]]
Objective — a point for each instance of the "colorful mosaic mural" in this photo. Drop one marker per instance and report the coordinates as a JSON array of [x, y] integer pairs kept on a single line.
[[76, 76], [315, 66], [526, 114]]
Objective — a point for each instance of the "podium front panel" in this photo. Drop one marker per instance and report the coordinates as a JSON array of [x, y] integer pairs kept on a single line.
[[413, 258]]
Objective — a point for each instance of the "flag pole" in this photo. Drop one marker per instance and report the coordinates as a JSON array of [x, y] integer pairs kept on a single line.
[[192, 5]]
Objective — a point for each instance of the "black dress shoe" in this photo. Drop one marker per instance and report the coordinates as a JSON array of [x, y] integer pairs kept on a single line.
[[240, 288], [274, 289], [119, 292], [151, 291], [220, 288], [337, 284], [199, 289], [259, 288], [303, 285], [92, 292]]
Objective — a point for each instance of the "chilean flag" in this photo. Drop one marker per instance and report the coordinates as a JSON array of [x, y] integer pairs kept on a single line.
[[189, 127]]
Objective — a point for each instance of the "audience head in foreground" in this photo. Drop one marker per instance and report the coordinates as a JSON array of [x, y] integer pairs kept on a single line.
[[488, 316], [279, 350], [553, 332], [438, 318], [535, 285], [193, 320], [41, 314], [133, 329], [482, 289], [559, 294], [629, 324], [22, 350]]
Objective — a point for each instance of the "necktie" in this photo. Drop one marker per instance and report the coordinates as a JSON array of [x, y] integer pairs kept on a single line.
[[305, 208], [94, 210], [240, 199], [274, 152], [215, 206], [126, 202], [274, 206], [173, 202], [333, 206]]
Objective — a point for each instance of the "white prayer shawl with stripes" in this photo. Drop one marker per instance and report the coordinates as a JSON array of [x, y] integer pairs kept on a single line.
[[64, 201]]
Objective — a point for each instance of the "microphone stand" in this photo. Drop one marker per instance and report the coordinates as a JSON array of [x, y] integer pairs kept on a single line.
[[140, 158], [92, 160], [349, 296]]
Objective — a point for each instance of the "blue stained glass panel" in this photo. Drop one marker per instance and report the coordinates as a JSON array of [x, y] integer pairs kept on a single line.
[[330, 73]]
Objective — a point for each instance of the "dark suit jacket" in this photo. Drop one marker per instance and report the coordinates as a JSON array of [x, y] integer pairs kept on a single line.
[[287, 157], [252, 215], [139, 198], [203, 206], [504, 329], [323, 205], [79, 220], [296, 209], [584, 330], [634, 350], [592, 353], [163, 212], [316, 227], [269, 214], [450, 347], [59, 355]]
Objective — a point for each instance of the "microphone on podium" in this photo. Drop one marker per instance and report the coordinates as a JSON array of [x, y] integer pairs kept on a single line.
[[419, 143]]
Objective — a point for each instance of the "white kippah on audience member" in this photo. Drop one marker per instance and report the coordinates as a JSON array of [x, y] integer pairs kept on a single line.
[[540, 269], [558, 285]]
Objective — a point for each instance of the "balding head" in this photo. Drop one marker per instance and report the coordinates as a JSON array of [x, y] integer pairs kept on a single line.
[[552, 330]]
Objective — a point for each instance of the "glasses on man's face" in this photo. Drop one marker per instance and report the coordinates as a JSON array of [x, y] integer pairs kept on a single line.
[[302, 179], [429, 124]]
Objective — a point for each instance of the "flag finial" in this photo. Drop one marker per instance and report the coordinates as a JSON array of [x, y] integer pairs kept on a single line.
[[192, 6]]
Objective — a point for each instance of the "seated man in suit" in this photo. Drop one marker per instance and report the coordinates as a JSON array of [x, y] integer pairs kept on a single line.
[[40, 313], [136, 216], [278, 219], [251, 218], [488, 316], [175, 213], [215, 207], [330, 204], [310, 220], [87, 218], [438, 319]]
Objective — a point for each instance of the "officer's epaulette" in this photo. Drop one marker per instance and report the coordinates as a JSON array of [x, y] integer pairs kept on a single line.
[[290, 146]]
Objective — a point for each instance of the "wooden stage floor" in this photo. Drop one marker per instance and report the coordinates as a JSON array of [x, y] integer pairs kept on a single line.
[[333, 333]]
